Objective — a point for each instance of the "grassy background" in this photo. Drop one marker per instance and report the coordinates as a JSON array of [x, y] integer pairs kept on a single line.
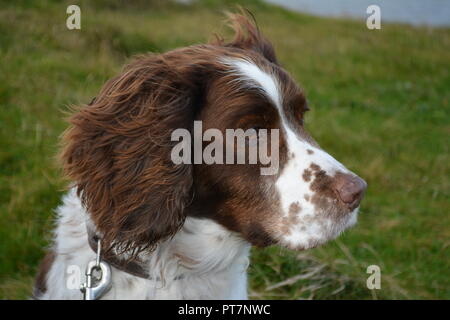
[[380, 104]]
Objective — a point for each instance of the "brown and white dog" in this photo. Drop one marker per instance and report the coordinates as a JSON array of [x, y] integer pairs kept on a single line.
[[189, 227]]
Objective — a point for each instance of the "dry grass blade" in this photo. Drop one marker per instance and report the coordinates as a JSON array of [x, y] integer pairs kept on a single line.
[[296, 278]]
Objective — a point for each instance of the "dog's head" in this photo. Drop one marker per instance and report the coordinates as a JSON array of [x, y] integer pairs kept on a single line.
[[118, 150]]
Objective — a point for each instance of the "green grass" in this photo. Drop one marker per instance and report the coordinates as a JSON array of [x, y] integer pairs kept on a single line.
[[380, 104]]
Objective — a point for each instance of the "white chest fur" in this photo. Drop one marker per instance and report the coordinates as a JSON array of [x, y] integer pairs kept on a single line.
[[212, 260]]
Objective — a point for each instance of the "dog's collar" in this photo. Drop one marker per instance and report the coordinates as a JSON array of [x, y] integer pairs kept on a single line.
[[134, 267]]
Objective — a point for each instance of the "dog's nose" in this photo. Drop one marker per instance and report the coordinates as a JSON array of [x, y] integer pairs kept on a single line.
[[350, 189]]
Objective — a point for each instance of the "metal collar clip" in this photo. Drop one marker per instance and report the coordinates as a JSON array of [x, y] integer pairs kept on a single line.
[[96, 285]]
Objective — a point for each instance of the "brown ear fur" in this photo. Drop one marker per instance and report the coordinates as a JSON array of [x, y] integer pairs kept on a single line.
[[117, 151], [247, 35]]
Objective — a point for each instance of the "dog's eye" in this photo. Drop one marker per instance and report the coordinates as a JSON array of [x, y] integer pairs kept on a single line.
[[257, 128], [254, 137]]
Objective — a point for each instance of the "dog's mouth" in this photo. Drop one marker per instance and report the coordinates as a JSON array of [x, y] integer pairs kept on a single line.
[[310, 231]]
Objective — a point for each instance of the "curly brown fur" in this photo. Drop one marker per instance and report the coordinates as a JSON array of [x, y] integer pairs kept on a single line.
[[117, 150]]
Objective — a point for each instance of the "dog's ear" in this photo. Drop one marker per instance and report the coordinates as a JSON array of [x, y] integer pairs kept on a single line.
[[117, 151], [247, 36]]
